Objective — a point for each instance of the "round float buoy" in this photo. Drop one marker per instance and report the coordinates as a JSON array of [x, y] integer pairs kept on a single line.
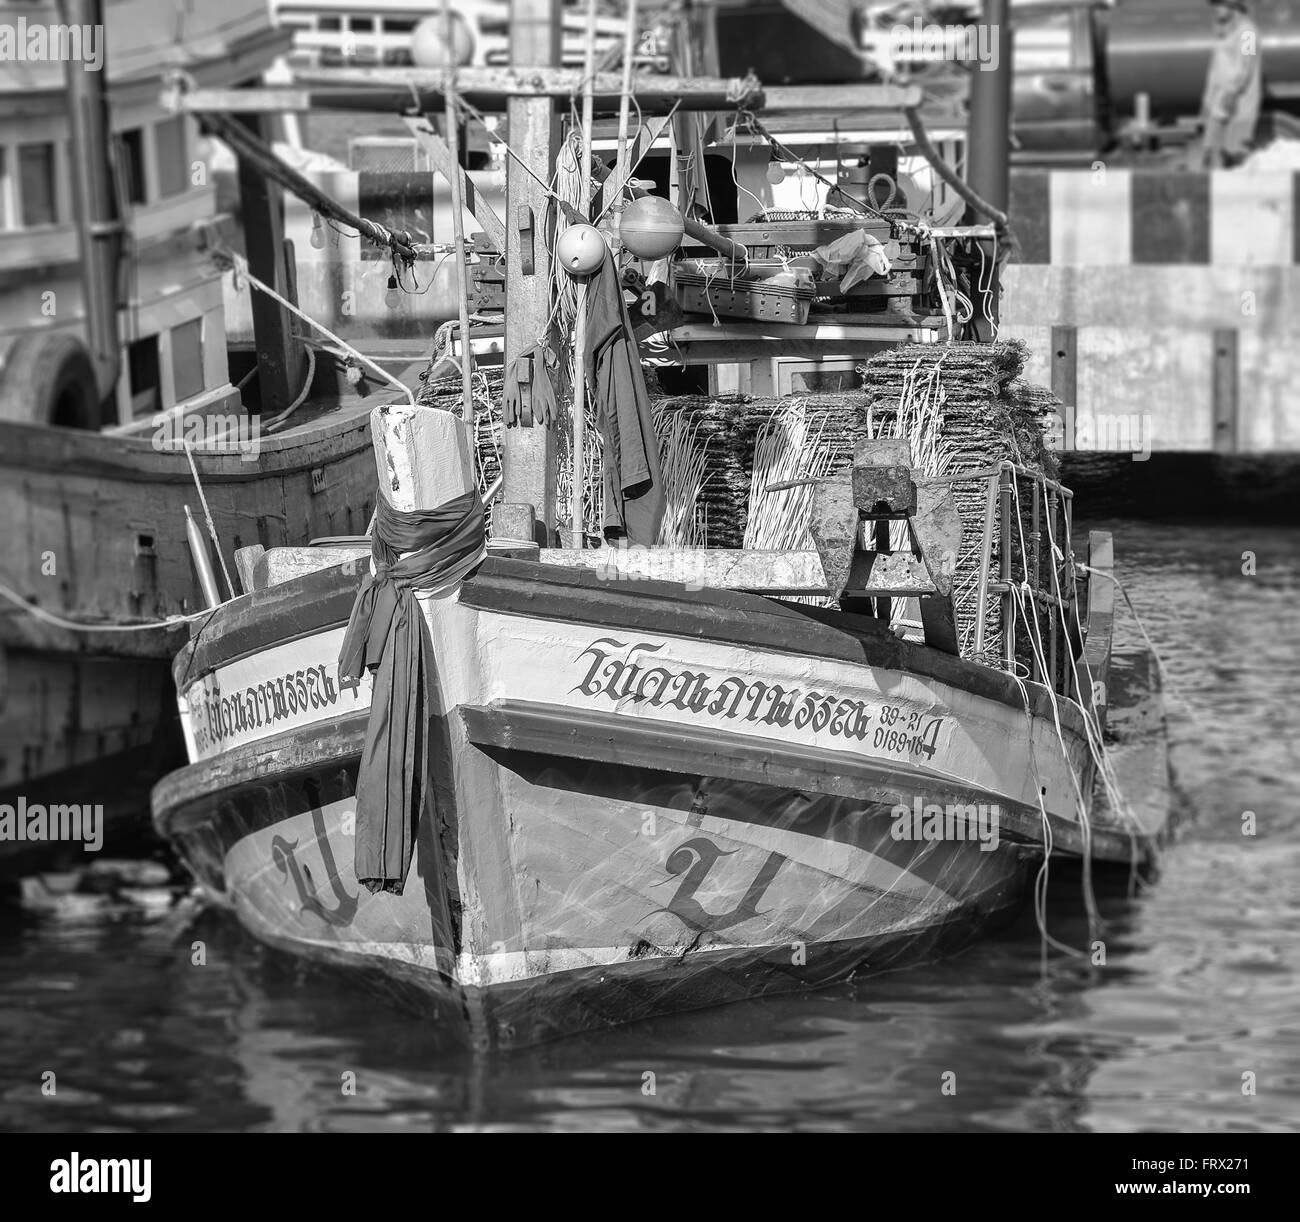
[[50, 379], [580, 250], [651, 227], [429, 42]]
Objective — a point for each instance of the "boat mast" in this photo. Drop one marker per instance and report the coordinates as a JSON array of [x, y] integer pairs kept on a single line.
[[99, 225]]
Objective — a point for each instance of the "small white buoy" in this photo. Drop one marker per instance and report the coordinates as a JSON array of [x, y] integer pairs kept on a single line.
[[580, 250]]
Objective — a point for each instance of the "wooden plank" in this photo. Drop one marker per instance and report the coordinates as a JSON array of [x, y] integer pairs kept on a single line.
[[1065, 379], [435, 147], [783, 99], [529, 458], [1226, 390], [262, 210], [1101, 620], [787, 572]]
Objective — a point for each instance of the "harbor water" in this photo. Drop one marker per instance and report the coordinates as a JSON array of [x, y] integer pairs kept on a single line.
[[1191, 1024]]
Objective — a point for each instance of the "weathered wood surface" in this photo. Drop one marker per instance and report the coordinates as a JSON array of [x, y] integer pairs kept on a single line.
[[97, 524], [1138, 744], [768, 572], [394, 90], [1101, 621]]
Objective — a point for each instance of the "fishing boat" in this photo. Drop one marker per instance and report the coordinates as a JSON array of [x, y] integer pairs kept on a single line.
[[119, 409], [647, 791], [535, 789]]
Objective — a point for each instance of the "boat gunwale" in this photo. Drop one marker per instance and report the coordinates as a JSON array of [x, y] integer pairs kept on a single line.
[[51, 449], [573, 595]]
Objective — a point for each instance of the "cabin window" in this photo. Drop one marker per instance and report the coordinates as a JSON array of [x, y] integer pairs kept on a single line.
[[187, 359], [169, 148], [37, 192], [362, 25], [131, 165], [330, 24], [142, 369]]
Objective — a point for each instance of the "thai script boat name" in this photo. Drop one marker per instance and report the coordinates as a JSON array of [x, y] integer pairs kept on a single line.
[[77, 1174], [630, 679], [40, 42], [217, 716], [36, 821], [929, 822]]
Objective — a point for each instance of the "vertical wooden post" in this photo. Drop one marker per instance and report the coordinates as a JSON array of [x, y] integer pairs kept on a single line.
[[533, 129], [458, 231], [261, 211], [99, 228]]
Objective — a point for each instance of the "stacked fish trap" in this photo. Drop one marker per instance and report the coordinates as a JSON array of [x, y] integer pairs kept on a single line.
[[963, 407], [966, 410]]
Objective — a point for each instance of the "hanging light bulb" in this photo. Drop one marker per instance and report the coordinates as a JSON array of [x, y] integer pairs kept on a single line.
[[775, 172], [317, 232], [392, 298]]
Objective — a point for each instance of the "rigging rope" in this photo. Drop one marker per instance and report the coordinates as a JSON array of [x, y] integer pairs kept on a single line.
[[248, 147]]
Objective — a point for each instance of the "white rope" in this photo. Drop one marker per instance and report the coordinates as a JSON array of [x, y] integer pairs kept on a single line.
[[57, 621], [272, 425]]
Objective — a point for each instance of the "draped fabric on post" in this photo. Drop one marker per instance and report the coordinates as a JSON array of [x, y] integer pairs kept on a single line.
[[387, 634]]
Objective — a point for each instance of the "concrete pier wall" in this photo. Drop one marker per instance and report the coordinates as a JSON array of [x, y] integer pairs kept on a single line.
[[1162, 308]]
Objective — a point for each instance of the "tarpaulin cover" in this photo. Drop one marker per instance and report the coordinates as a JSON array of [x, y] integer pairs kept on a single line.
[[387, 635]]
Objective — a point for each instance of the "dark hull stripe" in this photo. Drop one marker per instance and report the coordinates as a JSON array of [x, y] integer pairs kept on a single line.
[[517, 726]]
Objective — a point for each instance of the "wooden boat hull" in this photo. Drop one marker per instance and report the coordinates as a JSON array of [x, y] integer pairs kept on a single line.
[[647, 799], [98, 537]]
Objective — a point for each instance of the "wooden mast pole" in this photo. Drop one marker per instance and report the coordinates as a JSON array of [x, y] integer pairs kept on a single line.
[[99, 228], [621, 171], [580, 329], [528, 457], [458, 228]]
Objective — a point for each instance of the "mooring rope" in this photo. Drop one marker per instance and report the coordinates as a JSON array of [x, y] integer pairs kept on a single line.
[[58, 621]]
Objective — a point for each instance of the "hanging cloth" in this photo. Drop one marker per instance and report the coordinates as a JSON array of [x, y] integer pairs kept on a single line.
[[634, 497], [387, 634]]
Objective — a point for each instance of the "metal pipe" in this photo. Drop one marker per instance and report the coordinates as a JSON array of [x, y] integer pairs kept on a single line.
[[988, 157], [988, 146], [99, 225], [202, 561]]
